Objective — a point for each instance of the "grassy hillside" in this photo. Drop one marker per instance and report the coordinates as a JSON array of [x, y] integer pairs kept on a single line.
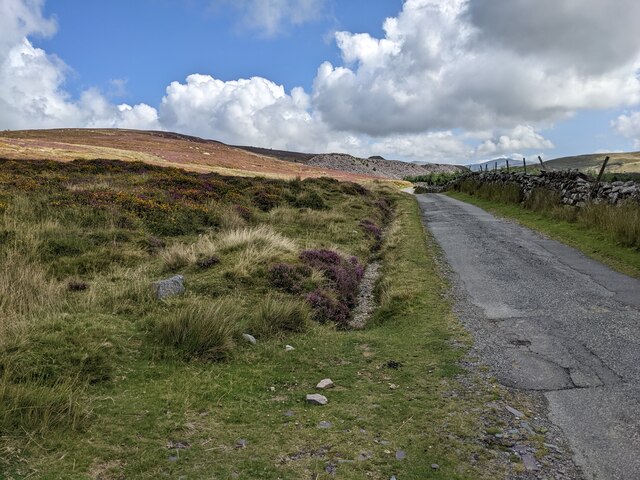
[[619, 163], [100, 379], [155, 148]]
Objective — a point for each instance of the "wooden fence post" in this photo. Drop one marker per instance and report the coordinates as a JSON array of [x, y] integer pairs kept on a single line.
[[524, 162], [507, 166], [595, 185], [542, 164]]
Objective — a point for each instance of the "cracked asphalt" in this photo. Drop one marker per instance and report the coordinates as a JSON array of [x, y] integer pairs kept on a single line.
[[549, 320]]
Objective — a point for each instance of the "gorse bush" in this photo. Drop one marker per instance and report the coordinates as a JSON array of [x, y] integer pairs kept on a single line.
[[201, 329]]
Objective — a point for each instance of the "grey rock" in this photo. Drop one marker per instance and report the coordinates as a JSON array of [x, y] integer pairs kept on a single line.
[[435, 466], [317, 399], [515, 412], [249, 338], [325, 384], [530, 463], [325, 424], [400, 455], [289, 348], [169, 287], [242, 443]]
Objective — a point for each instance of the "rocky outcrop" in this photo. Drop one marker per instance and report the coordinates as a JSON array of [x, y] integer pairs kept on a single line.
[[575, 188], [379, 167]]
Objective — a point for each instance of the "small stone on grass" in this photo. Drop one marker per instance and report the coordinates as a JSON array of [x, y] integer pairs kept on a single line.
[[249, 338], [317, 399], [324, 384]]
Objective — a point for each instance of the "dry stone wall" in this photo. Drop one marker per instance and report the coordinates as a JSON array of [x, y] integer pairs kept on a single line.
[[574, 187]]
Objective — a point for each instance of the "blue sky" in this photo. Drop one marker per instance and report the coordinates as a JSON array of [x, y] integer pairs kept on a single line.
[[431, 80]]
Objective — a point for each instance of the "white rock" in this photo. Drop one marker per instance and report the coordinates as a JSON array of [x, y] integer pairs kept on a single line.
[[249, 338], [317, 399], [324, 384], [288, 348]]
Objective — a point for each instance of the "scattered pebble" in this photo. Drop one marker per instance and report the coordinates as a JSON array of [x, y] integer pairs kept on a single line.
[[435, 466], [288, 348], [242, 443], [325, 424], [512, 410], [317, 399], [400, 455], [324, 384]]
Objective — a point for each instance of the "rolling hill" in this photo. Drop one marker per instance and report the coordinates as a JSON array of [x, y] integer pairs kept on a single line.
[[628, 162], [156, 148]]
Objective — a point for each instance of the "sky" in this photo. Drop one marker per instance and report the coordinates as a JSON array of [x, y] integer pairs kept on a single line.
[[451, 81]]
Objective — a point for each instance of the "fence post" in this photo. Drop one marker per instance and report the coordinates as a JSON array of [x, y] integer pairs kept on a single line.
[[495, 167], [595, 185], [507, 165], [524, 162], [542, 164]]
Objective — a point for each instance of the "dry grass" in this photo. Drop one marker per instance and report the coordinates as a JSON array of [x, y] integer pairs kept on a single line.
[[622, 222], [202, 329], [278, 314], [262, 237], [251, 245], [25, 289]]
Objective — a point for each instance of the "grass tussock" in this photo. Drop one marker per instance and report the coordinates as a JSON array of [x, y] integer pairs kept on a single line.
[[622, 222], [201, 329], [276, 315], [40, 408], [25, 288]]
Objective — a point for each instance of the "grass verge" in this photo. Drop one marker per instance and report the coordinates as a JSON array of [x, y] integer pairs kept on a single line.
[[398, 406], [593, 242]]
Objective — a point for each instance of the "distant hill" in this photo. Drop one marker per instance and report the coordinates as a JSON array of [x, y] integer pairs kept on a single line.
[[157, 148], [619, 162]]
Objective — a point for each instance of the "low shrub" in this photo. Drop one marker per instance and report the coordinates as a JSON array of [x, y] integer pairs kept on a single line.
[[372, 229], [278, 314], [201, 329], [311, 199], [327, 308], [289, 278], [344, 276]]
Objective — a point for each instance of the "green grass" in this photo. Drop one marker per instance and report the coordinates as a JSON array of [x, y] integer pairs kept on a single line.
[[594, 242], [108, 382]]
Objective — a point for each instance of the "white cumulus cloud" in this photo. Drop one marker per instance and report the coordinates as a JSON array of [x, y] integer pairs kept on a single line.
[[522, 137], [629, 126]]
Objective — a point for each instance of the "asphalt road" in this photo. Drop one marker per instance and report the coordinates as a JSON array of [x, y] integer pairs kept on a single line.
[[548, 319]]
